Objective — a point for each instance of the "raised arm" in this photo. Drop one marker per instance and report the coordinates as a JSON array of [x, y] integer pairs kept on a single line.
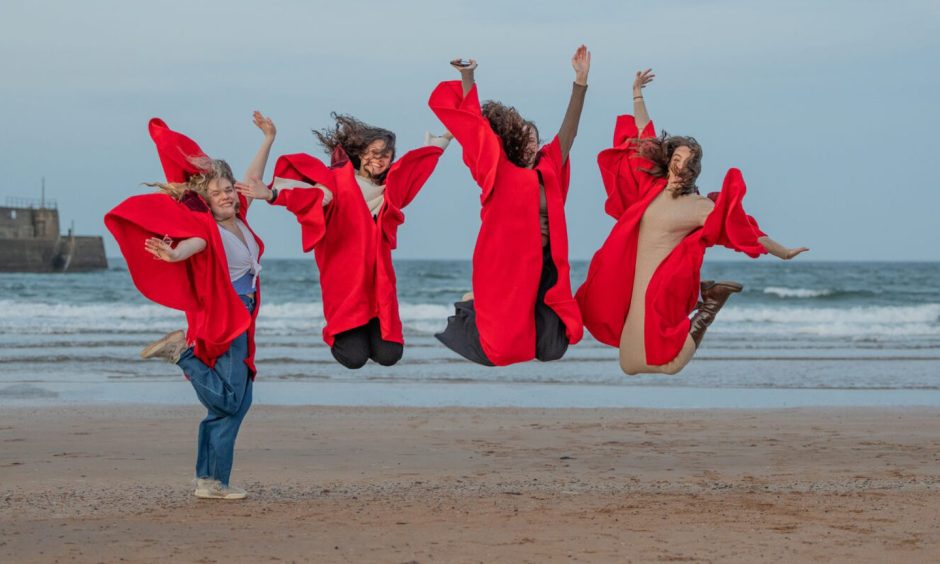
[[256, 168], [466, 68], [639, 105], [778, 250], [581, 62]]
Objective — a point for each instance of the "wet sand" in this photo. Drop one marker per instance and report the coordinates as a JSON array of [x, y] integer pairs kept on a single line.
[[93, 484]]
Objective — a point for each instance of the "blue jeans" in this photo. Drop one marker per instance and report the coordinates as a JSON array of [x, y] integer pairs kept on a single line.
[[225, 390]]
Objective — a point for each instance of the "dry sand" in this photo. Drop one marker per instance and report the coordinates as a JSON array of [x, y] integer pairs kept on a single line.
[[476, 485]]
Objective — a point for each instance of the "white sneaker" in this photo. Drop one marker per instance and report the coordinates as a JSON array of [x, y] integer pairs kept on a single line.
[[205, 487], [169, 347], [213, 489]]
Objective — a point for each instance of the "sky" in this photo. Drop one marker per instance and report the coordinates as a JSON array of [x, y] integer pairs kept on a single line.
[[830, 109]]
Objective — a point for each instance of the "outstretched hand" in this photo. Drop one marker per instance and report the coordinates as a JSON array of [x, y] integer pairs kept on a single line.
[[254, 189], [642, 79], [161, 249], [470, 66], [792, 253], [264, 124], [581, 63]]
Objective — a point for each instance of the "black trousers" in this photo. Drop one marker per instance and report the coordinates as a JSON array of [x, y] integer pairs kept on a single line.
[[551, 341], [355, 347]]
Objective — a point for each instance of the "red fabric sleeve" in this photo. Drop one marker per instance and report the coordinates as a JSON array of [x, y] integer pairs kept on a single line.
[[305, 203], [409, 173], [200, 285], [482, 148], [138, 218], [176, 151], [728, 225], [405, 179], [620, 167], [551, 154]]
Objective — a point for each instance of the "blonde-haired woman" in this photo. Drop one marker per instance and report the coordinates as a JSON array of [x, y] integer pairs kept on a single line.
[[208, 265]]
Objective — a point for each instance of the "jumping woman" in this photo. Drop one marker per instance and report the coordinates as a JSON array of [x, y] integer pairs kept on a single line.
[[644, 282]]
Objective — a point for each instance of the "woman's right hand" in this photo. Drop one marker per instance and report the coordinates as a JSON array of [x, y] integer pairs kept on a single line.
[[161, 249], [264, 124], [253, 188], [467, 68], [642, 79]]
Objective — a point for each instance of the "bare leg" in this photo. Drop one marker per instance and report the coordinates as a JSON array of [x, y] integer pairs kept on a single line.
[[630, 366]]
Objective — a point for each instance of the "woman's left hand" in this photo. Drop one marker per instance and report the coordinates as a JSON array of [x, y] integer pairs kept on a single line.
[[161, 249], [264, 124], [581, 62], [792, 253], [253, 188]]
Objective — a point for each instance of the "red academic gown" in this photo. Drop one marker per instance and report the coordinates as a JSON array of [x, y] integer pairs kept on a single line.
[[507, 260], [673, 291], [199, 286], [353, 250]]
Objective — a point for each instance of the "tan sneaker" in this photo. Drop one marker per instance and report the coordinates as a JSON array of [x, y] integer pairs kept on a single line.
[[169, 347], [205, 487], [213, 489]]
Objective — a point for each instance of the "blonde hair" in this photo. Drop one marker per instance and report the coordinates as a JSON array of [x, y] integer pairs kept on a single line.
[[212, 169]]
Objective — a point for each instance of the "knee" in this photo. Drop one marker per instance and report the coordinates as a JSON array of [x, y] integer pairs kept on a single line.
[[671, 370], [629, 368], [549, 354], [350, 359], [389, 354]]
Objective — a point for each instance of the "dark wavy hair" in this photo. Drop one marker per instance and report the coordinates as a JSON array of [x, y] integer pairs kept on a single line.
[[353, 136], [659, 151], [513, 131]]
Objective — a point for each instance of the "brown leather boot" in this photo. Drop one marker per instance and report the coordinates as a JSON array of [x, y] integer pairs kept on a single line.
[[714, 296]]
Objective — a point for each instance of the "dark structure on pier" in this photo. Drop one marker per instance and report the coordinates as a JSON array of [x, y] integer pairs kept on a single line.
[[30, 240]]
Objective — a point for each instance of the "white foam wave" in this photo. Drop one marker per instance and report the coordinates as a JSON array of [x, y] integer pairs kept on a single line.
[[894, 321], [276, 318], [797, 292]]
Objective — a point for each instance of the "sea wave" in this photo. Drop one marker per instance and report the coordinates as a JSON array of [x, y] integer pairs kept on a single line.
[[274, 318], [892, 321], [797, 292]]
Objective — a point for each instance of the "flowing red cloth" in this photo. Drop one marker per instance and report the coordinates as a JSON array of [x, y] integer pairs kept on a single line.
[[199, 286], [353, 250], [673, 291], [507, 260]]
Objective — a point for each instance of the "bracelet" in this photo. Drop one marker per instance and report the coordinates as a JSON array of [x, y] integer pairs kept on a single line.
[[638, 97], [273, 196]]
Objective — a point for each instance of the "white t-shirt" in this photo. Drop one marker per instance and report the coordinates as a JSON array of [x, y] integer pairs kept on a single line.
[[241, 259]]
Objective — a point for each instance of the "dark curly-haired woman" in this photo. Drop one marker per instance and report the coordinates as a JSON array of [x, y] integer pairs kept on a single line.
[[521, 306], [643, 283], [349, 214]]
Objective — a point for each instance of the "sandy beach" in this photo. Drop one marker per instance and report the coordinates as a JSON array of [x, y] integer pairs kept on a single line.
[[332, 484]]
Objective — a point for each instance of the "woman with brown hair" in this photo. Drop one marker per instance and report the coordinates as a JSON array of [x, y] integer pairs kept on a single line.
[[643, 283], [521, 306], [349, 214]]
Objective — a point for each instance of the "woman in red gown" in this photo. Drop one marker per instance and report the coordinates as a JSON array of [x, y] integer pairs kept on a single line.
[[643, 283], [521, 306], [349, 214], [207, 265]]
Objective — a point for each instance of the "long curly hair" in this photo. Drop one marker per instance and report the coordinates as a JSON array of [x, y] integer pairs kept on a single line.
[[353, 136], [659, 151], [198, 184], [513, 130]]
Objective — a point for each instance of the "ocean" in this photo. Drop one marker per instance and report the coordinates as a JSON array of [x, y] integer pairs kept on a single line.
[[802, 333]]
